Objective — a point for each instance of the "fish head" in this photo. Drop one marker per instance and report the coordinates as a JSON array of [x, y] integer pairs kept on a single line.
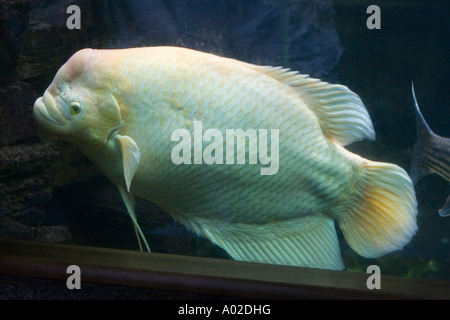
[[78, 106]]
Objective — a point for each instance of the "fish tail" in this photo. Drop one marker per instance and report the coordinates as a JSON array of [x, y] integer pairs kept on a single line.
[[445, 211], [431, 151], [420, 166], [383, 216]]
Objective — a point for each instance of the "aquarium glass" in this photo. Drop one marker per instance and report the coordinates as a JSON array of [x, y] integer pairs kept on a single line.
[[51, 192]]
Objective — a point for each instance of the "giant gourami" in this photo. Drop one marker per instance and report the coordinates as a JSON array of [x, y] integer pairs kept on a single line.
[[121, 108]]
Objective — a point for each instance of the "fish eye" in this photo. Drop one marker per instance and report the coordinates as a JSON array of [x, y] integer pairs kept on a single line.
[[75, 107]]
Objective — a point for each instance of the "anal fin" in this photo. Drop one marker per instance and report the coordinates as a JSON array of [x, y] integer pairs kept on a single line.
[[309, 241]]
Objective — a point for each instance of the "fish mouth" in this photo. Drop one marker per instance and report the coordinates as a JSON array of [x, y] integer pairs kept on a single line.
[[47, 116], [39, 106]]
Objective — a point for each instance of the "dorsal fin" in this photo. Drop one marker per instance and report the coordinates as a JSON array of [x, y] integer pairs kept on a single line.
[[341, 113]]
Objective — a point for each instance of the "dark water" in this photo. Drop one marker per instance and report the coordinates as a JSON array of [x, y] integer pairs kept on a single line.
[[327, 39], [412, 45]]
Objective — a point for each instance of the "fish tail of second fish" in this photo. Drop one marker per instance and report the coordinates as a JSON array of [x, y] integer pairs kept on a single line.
[[445, 211], [422, 164], [383, 217], [430, 154]]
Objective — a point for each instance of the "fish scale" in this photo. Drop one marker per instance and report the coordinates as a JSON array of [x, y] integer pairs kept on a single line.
[[284, 217]]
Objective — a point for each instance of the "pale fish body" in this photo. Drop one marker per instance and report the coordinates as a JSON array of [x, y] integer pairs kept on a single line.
[[121, 107]]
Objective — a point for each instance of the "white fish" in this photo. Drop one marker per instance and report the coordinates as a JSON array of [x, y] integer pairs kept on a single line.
[[121, 107]]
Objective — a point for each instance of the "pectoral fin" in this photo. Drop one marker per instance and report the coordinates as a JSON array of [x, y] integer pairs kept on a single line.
[[130, 157], [128, 200]]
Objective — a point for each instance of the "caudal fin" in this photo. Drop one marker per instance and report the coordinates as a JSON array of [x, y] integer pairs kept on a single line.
[[421, 165], [383, 216]]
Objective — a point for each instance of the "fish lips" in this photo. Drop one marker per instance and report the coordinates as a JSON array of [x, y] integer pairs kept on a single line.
[[49, 120]]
